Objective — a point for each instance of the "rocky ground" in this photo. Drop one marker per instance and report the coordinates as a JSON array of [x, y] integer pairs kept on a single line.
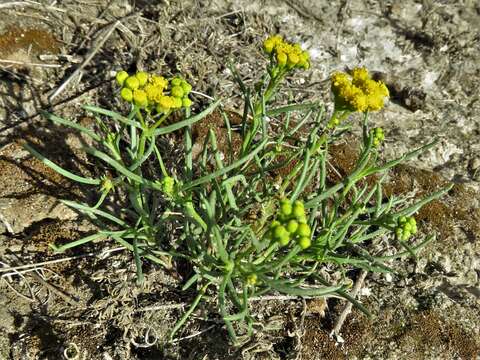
[[87, 304]]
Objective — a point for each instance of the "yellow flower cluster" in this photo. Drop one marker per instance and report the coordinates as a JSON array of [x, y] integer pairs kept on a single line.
[[153, 91], [286, 54], [358, 91]]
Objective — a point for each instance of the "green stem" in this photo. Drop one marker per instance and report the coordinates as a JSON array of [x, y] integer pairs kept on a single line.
[[190, 310], [141, 147], [257, 112], [160, 121], [138, 261], [190, 210], [266, 254]]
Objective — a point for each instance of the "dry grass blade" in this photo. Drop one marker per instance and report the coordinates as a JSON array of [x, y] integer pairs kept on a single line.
[[94, 51]]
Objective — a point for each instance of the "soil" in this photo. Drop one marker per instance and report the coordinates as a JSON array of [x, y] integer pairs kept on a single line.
[[87, 303]]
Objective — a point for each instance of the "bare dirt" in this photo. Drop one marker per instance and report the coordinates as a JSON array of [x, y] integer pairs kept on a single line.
[[87, 303]]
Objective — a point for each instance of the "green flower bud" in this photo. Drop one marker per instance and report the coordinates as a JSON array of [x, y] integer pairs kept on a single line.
[[292, 226], [298, 210], [274, 224], [399, 232], [132, 83], [279, 231], [142, 77], [406, 234], [414, 229], [126, 94], [168, 186], [284, 240], [407, 227], [177, 91], [286, 208], [302, 219], [281, 235], [176, 81], [177, 102], [304, 60], [252, 279], [304, 242], [186, 87], [120, 77], [186, 102], [303, 230]]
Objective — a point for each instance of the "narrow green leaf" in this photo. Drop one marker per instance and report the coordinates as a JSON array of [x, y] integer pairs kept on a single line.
[[72, 125], [89, 210], [60, 170], [415, 207], [191, 120], [84, 240], [324, 195], [290, 108], [403, 158], [298, 291], [113, 115], [226, 169], [122, 170]]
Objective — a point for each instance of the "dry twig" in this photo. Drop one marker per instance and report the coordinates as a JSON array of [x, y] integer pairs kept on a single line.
[[77, 72], [22, 63], [348, 307]]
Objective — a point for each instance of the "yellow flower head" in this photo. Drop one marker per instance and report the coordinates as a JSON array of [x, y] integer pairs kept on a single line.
[[177, 102], [293, 59], [126, 94], [154, 92], [270, 43], [304, 60], [159, 81], [282, 58], [358, 91], [285, 53], [166, 102], [142, 77], [132, 83], [140, 98]]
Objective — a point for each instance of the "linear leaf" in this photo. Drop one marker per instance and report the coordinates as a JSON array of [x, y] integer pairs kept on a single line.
[[61, 170]]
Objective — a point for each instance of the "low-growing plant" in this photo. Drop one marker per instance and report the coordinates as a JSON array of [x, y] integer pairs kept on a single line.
[[254, 219]]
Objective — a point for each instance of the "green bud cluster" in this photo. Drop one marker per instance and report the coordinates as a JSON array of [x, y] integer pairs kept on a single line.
[[378, 136], [406, 227], [107, 184], [291, 223], [168, 186], [252, 279]]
